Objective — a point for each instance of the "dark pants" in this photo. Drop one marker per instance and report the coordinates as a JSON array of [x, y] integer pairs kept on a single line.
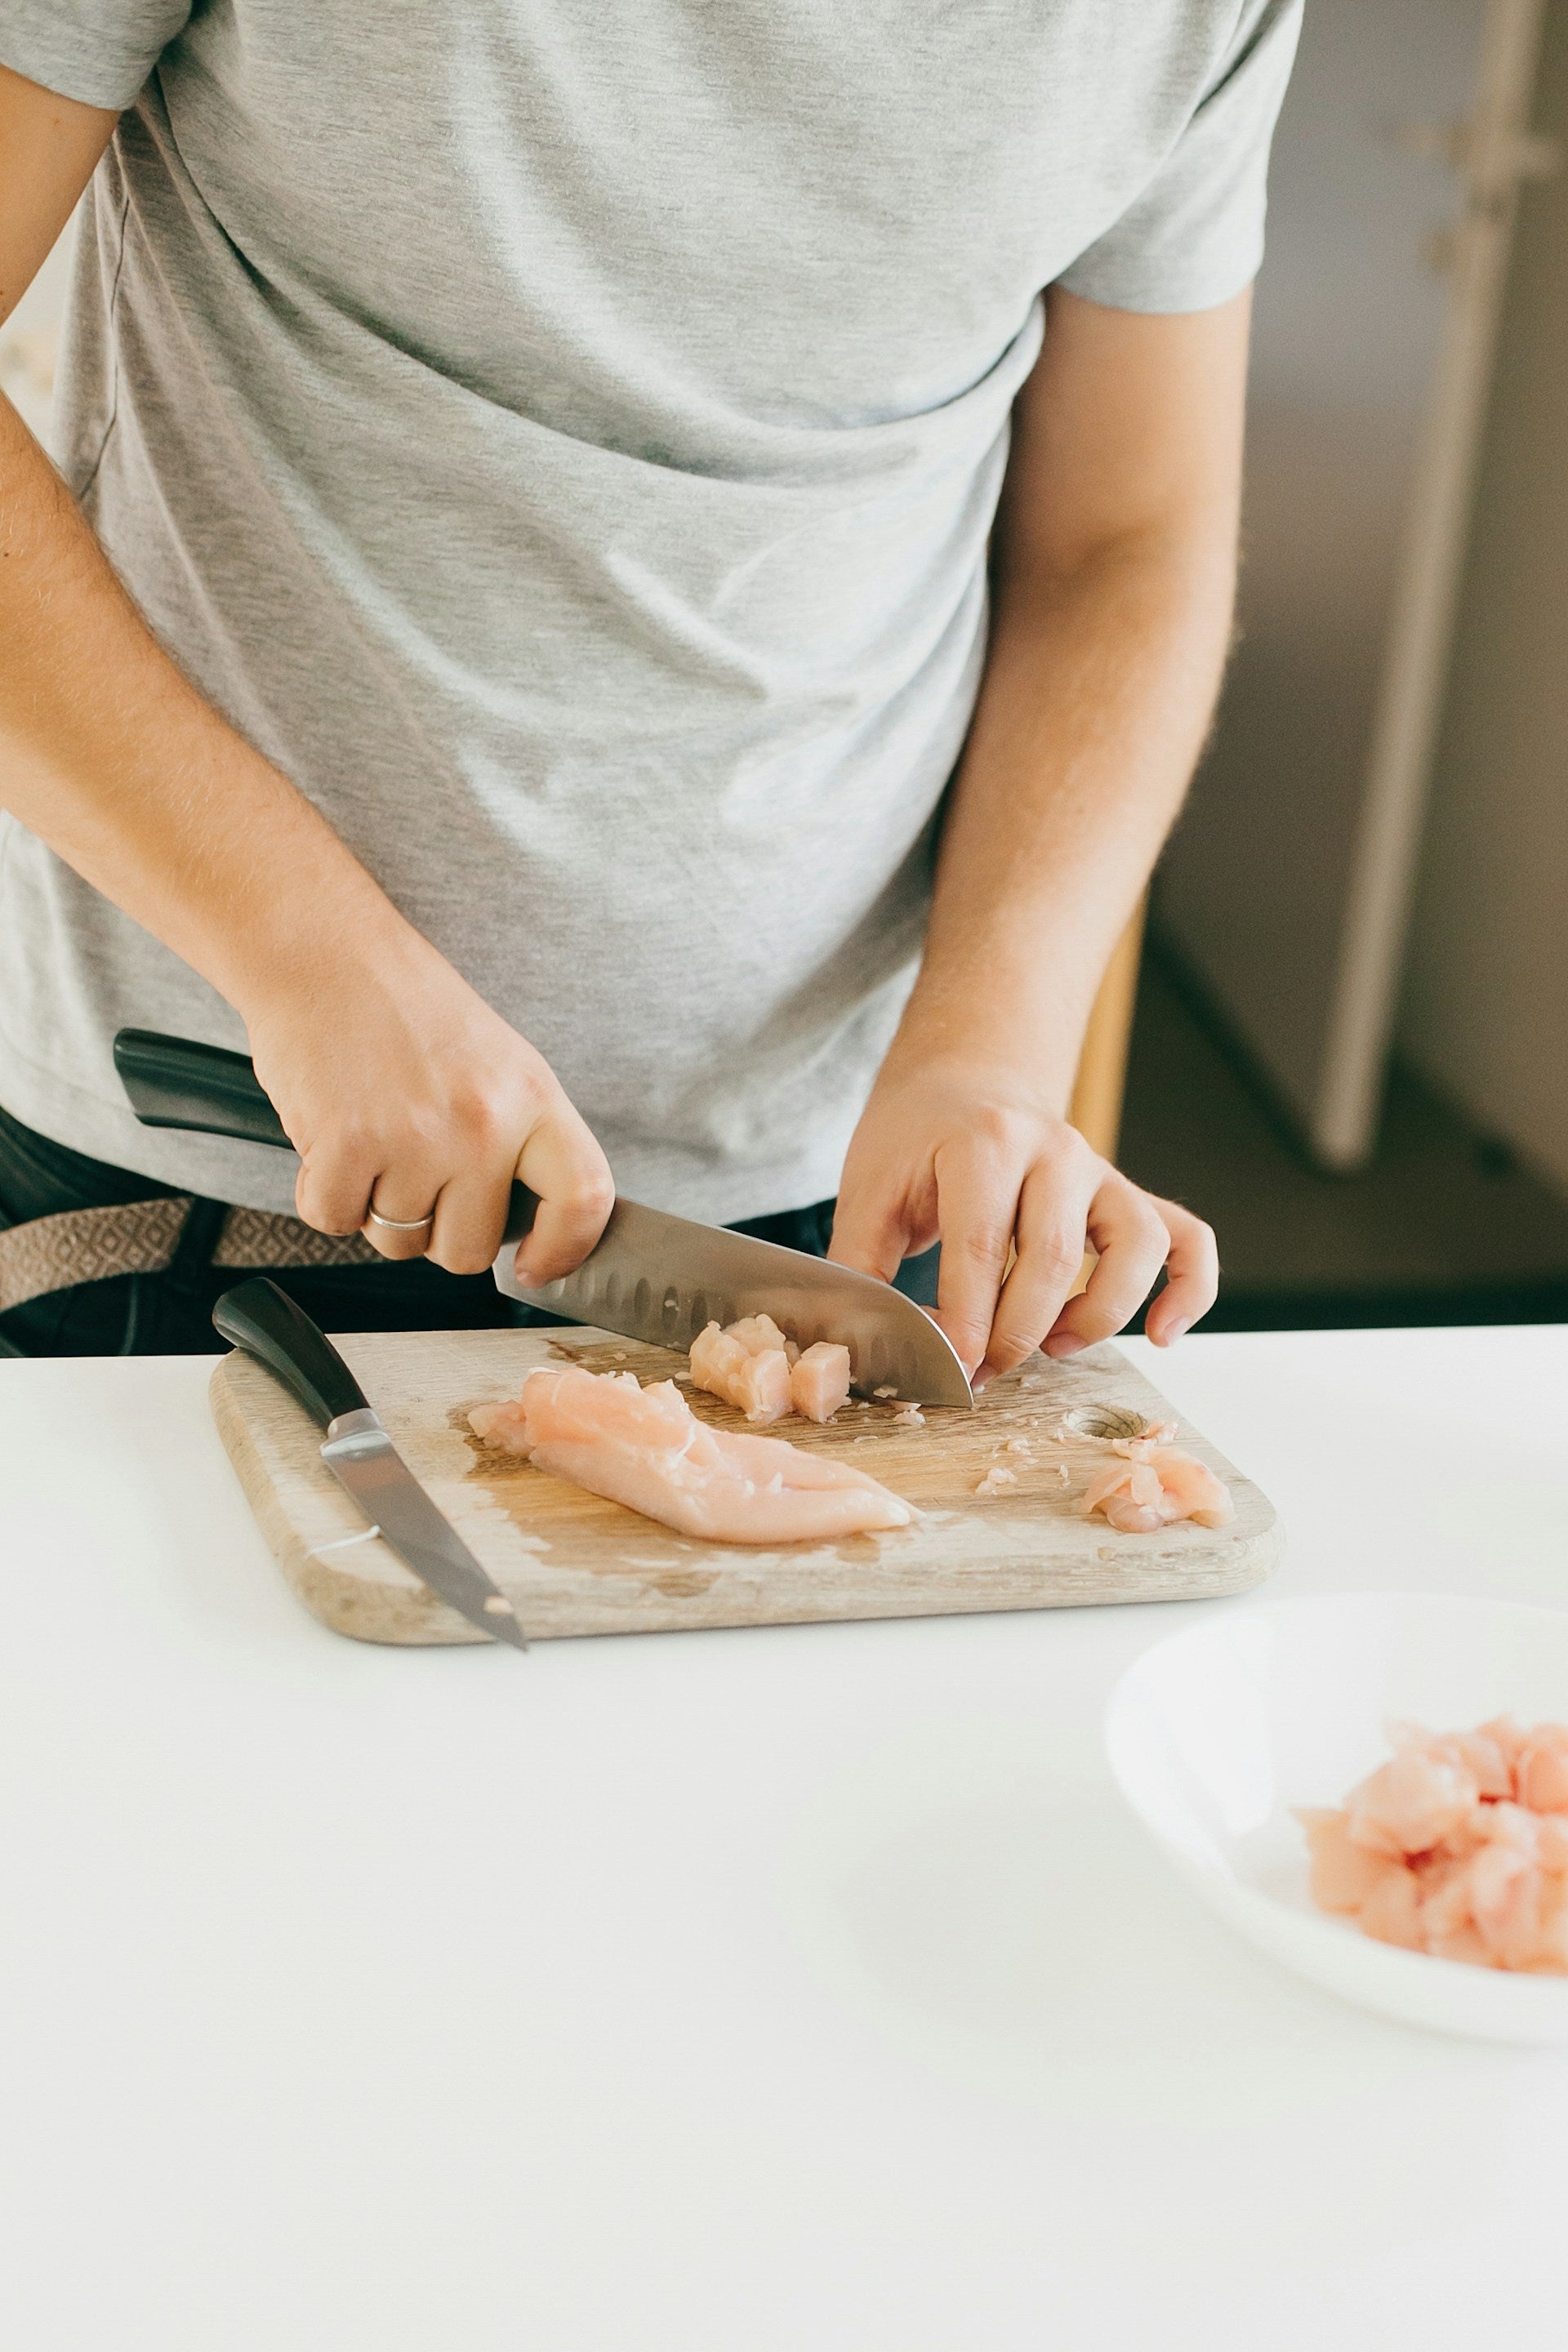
[[170, 1314]]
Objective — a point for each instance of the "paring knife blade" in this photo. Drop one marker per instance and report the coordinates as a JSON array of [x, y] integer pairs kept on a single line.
[[265, 1322], [651, 1276]]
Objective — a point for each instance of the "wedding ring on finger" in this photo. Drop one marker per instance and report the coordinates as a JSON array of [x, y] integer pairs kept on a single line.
[[398, 1224]]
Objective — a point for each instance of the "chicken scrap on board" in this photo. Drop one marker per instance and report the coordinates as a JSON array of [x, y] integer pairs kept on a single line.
[[1153, 1484]]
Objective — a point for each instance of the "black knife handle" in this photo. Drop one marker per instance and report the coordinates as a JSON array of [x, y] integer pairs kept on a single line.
[[208, 1091], [264, 1320], [206, 1088]]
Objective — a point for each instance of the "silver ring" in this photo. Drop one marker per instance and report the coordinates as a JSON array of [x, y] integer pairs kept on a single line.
[[400, 1225]]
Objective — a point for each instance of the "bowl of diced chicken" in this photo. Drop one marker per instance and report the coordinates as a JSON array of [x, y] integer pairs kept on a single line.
[[1374, 1790]]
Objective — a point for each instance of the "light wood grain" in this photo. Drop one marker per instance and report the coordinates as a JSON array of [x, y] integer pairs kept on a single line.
[[571, 1563]]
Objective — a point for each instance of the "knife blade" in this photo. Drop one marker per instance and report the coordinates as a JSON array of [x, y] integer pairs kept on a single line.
[[662, 1278], [651, 1276], [265, 1322]]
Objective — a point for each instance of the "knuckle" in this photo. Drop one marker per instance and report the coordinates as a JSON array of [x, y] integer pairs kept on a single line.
[[483, 1116], [983, 1244], [1010, 1346], [596, 1197], [1057, 1256]]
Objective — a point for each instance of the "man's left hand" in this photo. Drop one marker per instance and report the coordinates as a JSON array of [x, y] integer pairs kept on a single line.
[[956, 1152]]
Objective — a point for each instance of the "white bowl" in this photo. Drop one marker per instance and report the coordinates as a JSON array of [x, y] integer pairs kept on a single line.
[[1215, 1734]]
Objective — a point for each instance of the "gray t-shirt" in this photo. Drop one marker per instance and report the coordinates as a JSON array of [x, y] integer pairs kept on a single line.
[[564, 437]]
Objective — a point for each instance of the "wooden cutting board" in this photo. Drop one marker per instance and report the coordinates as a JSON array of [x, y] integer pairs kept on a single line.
[[575, 1564]]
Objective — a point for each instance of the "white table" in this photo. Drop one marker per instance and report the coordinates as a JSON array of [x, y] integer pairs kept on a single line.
[[768, 1991]]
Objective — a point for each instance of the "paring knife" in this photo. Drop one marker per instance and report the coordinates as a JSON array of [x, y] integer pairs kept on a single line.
[[263, 1320], [651, 1276]]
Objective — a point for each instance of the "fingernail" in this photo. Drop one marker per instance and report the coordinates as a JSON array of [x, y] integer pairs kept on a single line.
[[1066, 1343], [1175, 1331]]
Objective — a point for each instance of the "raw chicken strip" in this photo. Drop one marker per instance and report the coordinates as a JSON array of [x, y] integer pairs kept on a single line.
[[644, 1447], [1458, 1846], [1154, 1483]]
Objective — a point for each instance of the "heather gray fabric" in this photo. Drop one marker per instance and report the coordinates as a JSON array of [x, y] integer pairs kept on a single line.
[[564, 438]]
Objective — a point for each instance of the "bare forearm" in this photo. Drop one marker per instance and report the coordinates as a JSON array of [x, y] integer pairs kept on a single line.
[[1113, 560], [416, 1102], [1098, 692], [110, 755]]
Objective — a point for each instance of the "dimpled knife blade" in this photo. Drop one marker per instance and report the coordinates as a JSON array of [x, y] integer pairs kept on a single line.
[[662, 1279]]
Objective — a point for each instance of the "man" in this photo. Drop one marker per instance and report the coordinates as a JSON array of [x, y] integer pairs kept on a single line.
[[633, 653]]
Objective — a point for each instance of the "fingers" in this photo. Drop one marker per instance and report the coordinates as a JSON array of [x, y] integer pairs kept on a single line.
[[332, 1189], [468, 1210], [1192, 1276], [978, 1184], [1053, 1213], [470, 1217], [562, 1163], [1132, 1240], [869, 1232]]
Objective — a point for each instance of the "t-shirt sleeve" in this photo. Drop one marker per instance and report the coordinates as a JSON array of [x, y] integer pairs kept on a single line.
[[100, 51], [1193, 235]]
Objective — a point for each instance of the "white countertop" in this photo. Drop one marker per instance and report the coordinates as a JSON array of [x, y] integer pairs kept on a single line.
[[765, 1992]]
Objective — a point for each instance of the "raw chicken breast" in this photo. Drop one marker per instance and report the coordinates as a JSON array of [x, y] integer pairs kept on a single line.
[[1458, 1846], [645, 1448], [1153, 1484], [754, 1368]]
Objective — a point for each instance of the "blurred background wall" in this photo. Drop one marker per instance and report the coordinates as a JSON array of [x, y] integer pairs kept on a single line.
[[1351, 1044], [1485, 1014]]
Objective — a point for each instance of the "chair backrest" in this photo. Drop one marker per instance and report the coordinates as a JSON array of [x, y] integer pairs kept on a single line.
[[1096, 1107]]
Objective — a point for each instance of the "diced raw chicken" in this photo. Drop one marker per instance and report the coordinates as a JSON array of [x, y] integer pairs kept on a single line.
[[1541, 1772], [1405, 1807], [645, 1448], [1152, 1484], [754, 1368], [1506, 1735], [746, 1366], [1392, 1912], [756, 1333], [1458, 1846], [1343, 1873], [760, 1386], [1486, 1761], [716, 1357], [819, 1380]]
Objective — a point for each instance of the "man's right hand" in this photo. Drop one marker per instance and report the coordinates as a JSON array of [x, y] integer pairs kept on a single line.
[[415, 1099]]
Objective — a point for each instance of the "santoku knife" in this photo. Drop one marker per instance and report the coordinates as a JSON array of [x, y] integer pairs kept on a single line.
[[651, 1276], [264, 1320]]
